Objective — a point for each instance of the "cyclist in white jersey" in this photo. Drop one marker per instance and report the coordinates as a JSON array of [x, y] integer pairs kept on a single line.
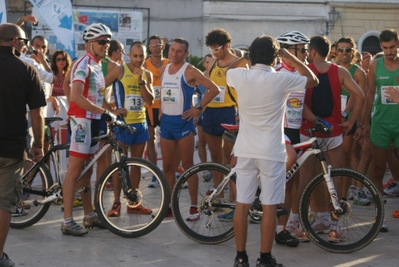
[[86, 101], [177, 114]]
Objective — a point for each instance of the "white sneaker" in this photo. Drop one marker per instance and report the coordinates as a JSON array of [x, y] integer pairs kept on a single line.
[[154, 183], [20, 211], [194, 215], [392, 190], [384, 227], [206, 176], [352, 192], [321, 225], [292, 227], [361, 199]]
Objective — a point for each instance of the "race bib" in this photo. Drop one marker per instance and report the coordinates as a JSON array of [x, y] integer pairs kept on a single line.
[[157, 92], [170, 95], [385, 99], [344, 101], [220, 97], [134, 103]]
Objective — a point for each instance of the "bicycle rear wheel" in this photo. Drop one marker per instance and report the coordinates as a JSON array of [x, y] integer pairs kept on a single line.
[[29, 211], [215, 224], [358, 224], [130, 223]]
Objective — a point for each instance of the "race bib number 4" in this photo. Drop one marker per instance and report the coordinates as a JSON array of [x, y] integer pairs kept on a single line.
[[170, 95]]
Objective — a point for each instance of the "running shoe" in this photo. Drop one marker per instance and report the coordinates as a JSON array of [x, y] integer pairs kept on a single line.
[[302, 236], [386, 185], [19, 212], [395, 213], [361, 199], [72, 228], [285, 238], [271, 263], [227, 216], [169, 213], [207, 176], [92, 222], [139, 210], [154, 183], [115, 211], [6, 262], [194, 215], [292, 226], [321, 225], [240, 263], [352, 192], [76, 203], [335, 236], [384, 227], [255, 220], [392, 190], [109, 186]]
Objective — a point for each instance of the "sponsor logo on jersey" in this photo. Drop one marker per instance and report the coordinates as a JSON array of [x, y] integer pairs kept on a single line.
[[294, 103]]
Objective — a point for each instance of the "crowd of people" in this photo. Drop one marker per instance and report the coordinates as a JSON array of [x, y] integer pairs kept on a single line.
[[281, 87]]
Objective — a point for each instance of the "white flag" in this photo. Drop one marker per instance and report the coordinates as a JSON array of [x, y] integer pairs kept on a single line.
[[58, 15], [3, 12]]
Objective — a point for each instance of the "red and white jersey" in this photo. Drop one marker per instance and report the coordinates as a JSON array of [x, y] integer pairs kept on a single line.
[[87, 70], [294, 104]]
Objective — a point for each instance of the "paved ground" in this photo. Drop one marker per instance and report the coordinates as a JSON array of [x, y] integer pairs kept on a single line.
[[44, 245]]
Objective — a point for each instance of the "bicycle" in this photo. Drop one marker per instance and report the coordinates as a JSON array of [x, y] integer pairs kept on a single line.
[[360, 224], [40, 189]]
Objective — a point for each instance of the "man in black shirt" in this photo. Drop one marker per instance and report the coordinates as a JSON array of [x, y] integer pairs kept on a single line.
[[19, 86]]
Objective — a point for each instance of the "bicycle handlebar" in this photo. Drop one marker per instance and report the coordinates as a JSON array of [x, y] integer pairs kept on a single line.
[[122, 125], [320, 126]]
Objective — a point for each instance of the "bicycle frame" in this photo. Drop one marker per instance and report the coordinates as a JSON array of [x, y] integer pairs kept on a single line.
[[54, 192], [310, 147]]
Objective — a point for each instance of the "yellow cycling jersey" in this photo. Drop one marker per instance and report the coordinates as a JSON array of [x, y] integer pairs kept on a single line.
[[226, 97]]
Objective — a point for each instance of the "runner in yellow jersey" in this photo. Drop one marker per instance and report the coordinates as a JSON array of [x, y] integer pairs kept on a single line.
[[132, 89], [222, 109]]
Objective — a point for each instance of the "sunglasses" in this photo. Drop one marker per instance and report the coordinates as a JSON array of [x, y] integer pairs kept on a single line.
[[216, 49], [347, 50], [154, 46], [303, 50], [121, 51], [60, 59], [103, 42], [26, 41]]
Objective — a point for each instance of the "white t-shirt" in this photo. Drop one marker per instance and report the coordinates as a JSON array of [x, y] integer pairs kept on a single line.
[[262, 95]]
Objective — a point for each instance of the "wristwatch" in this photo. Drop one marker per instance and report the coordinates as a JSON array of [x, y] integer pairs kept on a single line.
[[344, 115], [143, 82], [198, 105]]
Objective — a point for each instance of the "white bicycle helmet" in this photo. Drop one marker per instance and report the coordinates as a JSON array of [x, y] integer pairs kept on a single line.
[[96, 30], [293, 38]]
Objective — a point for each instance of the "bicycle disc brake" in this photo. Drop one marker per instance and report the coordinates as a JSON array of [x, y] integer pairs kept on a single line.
[[134, 198], [346, 210]]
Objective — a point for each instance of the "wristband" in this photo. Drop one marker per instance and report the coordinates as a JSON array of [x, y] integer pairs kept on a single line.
[[360, 126]]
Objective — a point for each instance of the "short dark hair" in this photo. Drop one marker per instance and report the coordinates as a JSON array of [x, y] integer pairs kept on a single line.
[[156, 37], [180, 40], [264, 50], [217, 37], [137, 43], [113, 47], [388, 35], [321, 44], [40, 37]]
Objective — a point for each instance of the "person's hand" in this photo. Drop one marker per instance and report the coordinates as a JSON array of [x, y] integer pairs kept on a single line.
[[108, 117], [54, 103], [29, 17], [191, 113], [283, 53], [366, 132], [346, 127], [393, 94], [121, 112], [358, 133], [139, 72], [40, 57], [36, 152]]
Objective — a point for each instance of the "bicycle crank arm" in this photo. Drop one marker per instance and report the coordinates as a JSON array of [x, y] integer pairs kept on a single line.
[[53, 196]]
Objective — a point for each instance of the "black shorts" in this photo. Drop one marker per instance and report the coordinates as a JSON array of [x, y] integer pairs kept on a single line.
[[293, 135]]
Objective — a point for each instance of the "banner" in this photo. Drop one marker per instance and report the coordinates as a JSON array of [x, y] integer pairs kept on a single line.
[[58, 16], [3, 12]]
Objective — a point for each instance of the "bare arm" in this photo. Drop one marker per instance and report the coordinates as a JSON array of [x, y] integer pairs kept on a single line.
[[369, 100], [212, 90], [38, 133], [114, 75], [356, 93], [22, 20], [302, 69], [146, 90]]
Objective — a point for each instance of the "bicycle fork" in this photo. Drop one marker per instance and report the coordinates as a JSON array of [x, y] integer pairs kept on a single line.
[[331, 187]]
